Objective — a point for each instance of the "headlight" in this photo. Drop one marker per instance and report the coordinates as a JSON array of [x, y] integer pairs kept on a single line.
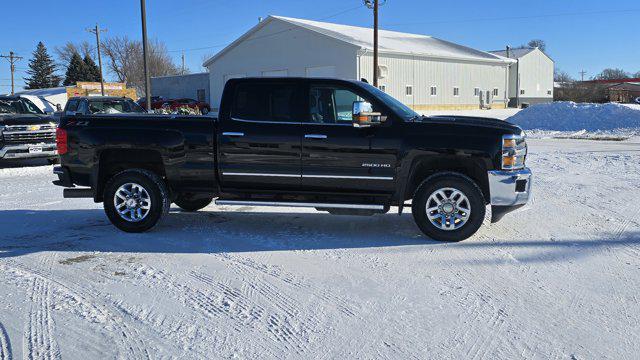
[[514, 151]]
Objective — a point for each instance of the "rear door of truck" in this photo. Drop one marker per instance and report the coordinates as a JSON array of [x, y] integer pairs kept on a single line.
[[260, 132]]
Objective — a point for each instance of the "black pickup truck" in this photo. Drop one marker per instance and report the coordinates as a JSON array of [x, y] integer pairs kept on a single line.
[[25, 131], [339, 146]]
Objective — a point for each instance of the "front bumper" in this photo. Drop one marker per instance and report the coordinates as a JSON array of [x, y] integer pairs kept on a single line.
[[509, 191], [9, 152]]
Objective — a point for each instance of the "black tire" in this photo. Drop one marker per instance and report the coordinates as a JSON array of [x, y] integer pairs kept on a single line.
[[53, 161], [158, 196], [205, 111], [456, 181], [187, 203]]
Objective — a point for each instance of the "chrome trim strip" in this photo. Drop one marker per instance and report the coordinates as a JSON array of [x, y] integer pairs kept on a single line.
[[297, 204], [231, 133], [315, 136], [260, 174], [349, 177], [311, 176]]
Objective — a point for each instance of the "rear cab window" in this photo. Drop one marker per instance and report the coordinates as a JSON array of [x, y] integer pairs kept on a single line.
[[266, 102]]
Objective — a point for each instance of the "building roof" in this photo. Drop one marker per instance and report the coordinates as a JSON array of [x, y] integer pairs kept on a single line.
[[388, 41], [513, 53]]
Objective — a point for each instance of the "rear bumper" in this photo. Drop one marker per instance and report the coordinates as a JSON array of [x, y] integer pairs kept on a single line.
[[509, 191], [70, 191], [21, 151]]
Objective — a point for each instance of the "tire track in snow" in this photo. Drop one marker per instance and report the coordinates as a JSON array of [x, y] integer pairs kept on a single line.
[[284, 324], [128, 340], [39, 333], [5, 344]]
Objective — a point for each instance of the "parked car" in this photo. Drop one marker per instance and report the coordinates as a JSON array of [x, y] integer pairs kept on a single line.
[[175, 104], [25, 131], [339, 146], [86, 105], [156, 102]]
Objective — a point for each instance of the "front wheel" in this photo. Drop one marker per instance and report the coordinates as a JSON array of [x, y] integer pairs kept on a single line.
[[188, 203], [448, 207], [135, 200]]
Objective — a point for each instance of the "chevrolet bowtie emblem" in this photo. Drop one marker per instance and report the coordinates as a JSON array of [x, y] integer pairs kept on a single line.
[[34, 127]]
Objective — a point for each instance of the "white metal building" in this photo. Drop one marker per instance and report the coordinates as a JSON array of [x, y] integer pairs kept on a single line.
[[422, 71], [193, 86], [530, 77]]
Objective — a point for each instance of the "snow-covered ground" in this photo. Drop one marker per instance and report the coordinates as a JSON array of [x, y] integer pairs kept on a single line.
[[560, 280]]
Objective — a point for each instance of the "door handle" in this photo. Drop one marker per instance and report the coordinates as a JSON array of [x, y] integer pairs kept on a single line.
[[234, 134], [315, 136]]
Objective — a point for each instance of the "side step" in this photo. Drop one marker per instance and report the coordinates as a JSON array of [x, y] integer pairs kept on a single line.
[[77, 193], [301, 204]]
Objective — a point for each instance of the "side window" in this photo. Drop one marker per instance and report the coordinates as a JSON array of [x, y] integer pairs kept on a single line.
[[72, 105], [264, 102], [331, 105], [82, 107]]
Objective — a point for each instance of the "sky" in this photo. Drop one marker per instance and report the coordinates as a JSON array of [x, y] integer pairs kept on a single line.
[[587, 35]]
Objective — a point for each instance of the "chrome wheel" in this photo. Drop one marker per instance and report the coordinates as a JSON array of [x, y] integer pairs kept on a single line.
[[448, 209], [132, 202]]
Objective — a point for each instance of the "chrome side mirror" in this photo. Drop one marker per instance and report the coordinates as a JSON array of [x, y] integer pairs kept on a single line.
[[363, 115]]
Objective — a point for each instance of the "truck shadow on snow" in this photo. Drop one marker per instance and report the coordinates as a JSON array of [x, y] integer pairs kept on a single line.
[[31, 231]]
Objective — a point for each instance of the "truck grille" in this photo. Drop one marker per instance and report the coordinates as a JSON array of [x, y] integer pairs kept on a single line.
[[28, 137]]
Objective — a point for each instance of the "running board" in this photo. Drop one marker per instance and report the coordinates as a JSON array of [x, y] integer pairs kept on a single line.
[[301, 204]]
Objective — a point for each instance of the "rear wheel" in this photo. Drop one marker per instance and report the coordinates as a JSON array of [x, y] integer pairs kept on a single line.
[[448, 207], [187, 203], [135, 200]]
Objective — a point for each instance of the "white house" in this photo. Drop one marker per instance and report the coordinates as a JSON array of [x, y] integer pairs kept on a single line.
[[530, 77], [422, 71]]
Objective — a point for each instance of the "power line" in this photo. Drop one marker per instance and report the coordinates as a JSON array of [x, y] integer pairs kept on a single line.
[[517, 17], [268, 35]]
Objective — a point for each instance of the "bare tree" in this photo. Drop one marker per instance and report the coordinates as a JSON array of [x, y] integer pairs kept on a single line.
[[125, 60], [65, 53], [562, 77], [540, 44], [612, 74]]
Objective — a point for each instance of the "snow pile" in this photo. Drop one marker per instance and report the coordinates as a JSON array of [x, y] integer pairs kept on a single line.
[[570, 116]]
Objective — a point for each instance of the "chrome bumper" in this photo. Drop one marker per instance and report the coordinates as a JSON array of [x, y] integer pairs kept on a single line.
[[22, 151], [509, 188]]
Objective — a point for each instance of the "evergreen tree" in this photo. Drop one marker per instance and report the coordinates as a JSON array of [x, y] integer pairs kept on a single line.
[[41, 70], [93, 71], [76, 71]]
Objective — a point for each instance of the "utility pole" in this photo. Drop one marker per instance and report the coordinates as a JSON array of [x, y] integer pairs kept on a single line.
[[12, 58], [97, 31], [375, 4], [582, 73], [147, 80], [183, 63]]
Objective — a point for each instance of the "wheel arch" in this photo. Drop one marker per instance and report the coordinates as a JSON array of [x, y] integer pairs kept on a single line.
[[425, 166], [114, 161]]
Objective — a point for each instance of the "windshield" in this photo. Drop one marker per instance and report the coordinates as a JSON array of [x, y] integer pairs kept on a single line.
[[19, 106], [115, 106], [401, 109]]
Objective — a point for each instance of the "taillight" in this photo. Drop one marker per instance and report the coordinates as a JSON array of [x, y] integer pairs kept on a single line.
[[61, 141]]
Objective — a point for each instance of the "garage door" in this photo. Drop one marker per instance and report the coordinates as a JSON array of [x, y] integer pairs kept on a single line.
[[321, 71]]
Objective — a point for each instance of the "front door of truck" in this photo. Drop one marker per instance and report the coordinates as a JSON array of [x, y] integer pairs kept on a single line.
[[338, 157], [260, 138]]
